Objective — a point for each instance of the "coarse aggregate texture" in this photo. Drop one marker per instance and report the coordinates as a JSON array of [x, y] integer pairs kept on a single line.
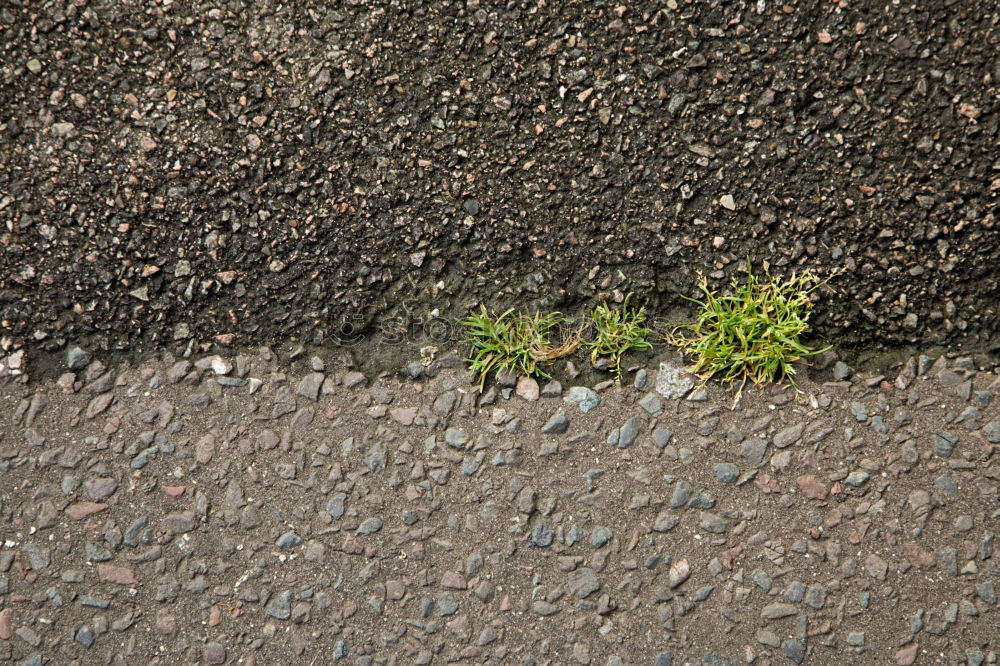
[[259, 509], [176, 174]]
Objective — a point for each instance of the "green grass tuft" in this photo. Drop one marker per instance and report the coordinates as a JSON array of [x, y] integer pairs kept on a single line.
[[753, 333], [514, 341], [617, 331]]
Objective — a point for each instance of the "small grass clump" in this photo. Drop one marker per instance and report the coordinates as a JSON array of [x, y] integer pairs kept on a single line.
[[514, 341], [617, 331], [753, 333]]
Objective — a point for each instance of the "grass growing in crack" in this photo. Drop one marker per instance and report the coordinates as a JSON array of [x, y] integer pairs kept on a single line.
[[617, 331], [754, 332], [514, 341]]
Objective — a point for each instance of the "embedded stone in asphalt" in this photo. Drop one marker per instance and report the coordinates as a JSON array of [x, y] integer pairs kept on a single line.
[[542, 536], [369, 526], [944, 443], [788, 436], [280, 605], [777, 610], [662, 437], [288, 540], [672, 381], [625, 436], [726, 472], [585, 397], [583, 582], [557, 423], [309, 386]]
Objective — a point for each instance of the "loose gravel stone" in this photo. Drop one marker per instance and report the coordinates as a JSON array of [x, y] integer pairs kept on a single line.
[[788, 436], [179, 523], [310, 385], [600, 536], [369, 526], [544, 608], [583, 582], [763, 581], [679, 572], [625, 436], [542, 536], [455, 438], [662, 437], [856, 478], [974, 657], [6, 631], [335, 506], [665, 522], [816, 596], [280, 605], [552, 389], [726, 472], [794, 650], [586, 398], [446, 603], [712, 523], [39, 557], [795, 591], [77, 358], [134, 532], [987, 592], [527, 389], [812, 487], [213, 653], [673, 382], [944, 443], [114, 574], [84, 636], [290, 540], [777, 610], [876, 566], [651, 404], [557, 423], [664, 659], [753, 450], [992, 432], [95, 552], [682, 492]]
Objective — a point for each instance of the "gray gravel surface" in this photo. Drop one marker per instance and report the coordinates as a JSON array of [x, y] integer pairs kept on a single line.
[[255, 510]]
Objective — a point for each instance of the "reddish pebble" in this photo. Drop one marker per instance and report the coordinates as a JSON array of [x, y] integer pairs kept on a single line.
[[5, 629], [81, 510], [812, 487], [395, 590], [213, 653], [174, 491], [120, 575], [907, 655], [166, 623]]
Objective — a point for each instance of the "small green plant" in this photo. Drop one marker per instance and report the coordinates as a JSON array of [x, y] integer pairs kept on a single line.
[[514, 341], [754, 332], [617, 331]]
